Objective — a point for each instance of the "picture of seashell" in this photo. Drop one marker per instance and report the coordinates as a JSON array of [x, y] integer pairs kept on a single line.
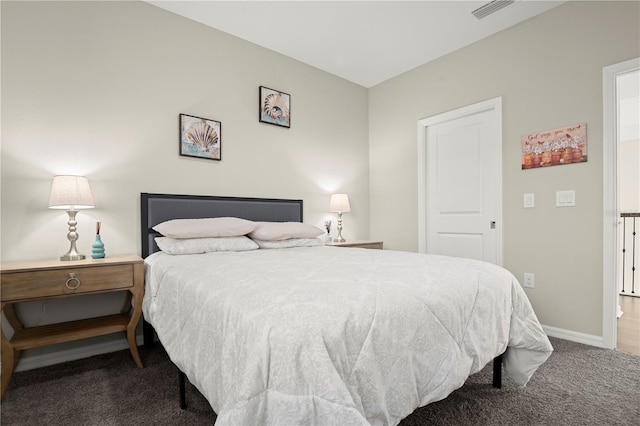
[[275, 106], [202, 135]]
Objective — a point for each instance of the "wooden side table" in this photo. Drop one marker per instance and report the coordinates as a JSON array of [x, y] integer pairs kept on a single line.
[[358, 243], [38, 280]]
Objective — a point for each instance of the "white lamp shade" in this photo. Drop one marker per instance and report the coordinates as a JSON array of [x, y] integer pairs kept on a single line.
[[70, 192], [339, 203]]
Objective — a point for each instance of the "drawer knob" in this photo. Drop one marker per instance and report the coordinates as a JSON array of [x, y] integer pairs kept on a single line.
[[72, 280]]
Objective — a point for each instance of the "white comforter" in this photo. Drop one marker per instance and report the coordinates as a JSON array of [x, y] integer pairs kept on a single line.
[[336, 336]]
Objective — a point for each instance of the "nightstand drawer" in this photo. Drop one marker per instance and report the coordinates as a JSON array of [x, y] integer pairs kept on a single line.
[[64, 281]]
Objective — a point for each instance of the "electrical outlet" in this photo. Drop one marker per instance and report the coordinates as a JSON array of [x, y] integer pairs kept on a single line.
[[529, 280]]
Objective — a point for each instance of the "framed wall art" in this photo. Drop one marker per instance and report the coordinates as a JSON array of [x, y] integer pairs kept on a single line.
[[274, 107], [557, 147], [200, 137]]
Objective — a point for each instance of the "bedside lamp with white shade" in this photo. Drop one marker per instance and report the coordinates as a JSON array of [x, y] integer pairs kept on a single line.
[[71, 193], [339, 203]]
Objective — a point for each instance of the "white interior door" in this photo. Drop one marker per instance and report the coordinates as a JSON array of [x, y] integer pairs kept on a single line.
[[462, 200]]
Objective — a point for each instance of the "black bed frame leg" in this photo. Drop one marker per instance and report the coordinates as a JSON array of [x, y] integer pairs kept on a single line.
[[497, 372], [183, 397], [147, 334]]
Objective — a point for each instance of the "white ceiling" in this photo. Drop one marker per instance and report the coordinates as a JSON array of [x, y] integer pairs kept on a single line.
[[366, 42]]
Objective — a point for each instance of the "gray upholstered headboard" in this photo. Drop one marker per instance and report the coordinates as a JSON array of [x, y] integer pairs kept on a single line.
[[157, 208]]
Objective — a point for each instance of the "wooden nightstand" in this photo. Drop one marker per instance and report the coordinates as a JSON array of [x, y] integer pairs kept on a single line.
[[37, 280], [358, 243]]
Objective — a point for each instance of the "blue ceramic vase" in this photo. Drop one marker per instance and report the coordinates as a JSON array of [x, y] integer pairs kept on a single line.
[[97, 248]]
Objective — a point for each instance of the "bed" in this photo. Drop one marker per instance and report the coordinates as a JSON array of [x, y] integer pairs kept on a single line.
[[325, 335]]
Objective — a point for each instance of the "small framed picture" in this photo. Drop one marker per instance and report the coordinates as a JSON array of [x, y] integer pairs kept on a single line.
[[275, 107], [200, 137]]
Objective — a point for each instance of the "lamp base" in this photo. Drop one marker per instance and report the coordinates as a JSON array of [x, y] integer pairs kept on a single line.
[[339, 238], [72, 236]]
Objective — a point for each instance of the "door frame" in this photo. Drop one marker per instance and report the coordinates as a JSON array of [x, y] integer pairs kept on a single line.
[[494, 105], [610, 147]]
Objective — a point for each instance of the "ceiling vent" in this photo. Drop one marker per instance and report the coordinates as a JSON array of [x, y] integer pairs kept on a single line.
[[489, 8]]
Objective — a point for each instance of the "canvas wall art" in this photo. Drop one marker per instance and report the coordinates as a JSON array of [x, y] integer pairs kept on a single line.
[[565, 145]]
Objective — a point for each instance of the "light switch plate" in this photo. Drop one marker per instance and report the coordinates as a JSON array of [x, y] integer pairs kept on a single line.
[[565, 198], [529, 200]]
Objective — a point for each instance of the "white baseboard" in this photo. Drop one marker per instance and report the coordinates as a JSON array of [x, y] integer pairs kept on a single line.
[[29, 362], [574, 336]]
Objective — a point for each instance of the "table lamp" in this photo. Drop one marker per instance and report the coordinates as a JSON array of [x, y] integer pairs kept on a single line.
[[71, 193], [339, 203]]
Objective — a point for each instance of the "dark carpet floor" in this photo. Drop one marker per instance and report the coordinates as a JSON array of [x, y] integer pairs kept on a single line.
[[578, 385]]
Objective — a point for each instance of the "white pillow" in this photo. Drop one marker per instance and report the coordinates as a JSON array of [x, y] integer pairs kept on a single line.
[[205, 228], [275, 231], [292, 242], [204, 245]]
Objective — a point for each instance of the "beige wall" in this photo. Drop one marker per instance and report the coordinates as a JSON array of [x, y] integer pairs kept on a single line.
[[548, 71], [95, 88]]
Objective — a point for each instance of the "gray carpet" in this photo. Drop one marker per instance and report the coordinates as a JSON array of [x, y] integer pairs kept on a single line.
[[578, 385]]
